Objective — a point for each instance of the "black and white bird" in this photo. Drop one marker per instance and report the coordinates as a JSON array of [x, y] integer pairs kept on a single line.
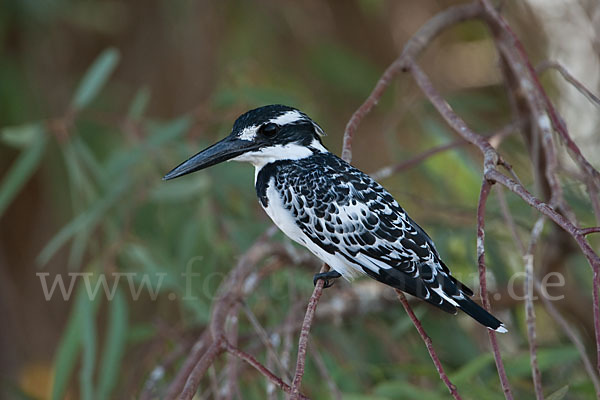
[[336, 211]]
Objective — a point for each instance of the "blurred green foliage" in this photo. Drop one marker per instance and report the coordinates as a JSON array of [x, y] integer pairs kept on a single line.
[[92, 155]]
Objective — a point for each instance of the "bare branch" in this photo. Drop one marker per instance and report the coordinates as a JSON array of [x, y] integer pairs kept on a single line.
[[513, 50], [412, 48], [529, 309], [193, 380], [571, 333], [262, 334], [485, 191], [428, 344], [587, 231], [274, 379], [545, 65], [304, 331], [490, 160]]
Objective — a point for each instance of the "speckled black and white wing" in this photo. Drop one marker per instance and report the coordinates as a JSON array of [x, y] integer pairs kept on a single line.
[[351, 222]]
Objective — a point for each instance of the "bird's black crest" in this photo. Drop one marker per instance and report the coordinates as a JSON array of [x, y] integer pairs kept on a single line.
[[261, 115], [303, 130]]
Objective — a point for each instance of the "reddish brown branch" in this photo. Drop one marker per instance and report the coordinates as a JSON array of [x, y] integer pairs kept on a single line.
[[304, 332], [513, 50], [543, 66], [569, 329], [529, 309], [490, 160], [483, 196], [239, 283], [274, 379], [412, 48], [193, 380], [428, 344], [587, 231]]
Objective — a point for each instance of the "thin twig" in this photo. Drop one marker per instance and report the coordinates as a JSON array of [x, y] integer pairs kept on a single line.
[[304, 332], [587, 231], [490, 160], [428, 344], [277, 381], [485, 191], [193, 381], [333, 388], [509, 219], [545, 65], [231, 387], [571, 333], [412, 48], [513, 49], [553, 311], [264, 337], [529, 309]]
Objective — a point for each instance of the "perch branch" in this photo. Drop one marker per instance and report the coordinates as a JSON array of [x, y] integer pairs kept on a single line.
[[304, 332]]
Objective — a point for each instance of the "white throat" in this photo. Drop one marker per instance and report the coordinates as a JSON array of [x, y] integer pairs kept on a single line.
[[290, 151]]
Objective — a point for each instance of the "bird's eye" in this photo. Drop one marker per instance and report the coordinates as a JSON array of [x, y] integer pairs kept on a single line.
[[269, 129]]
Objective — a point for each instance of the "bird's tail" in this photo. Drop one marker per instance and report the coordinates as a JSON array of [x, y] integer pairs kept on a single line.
[[479, 314]]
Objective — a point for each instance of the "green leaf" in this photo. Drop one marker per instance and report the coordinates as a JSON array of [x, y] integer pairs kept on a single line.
[[139, 103], [88, 347], [20, 172], [472, 369], [69, 346], [559, 394], [180, 191], [520, 366], [86, 220], [22, 136], [95, 78], [114, 346], [405, 390]]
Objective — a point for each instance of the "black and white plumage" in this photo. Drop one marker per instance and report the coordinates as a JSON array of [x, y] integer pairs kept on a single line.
[[336, 211]]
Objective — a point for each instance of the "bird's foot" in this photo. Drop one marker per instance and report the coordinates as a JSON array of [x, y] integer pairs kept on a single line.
[[326, 276]]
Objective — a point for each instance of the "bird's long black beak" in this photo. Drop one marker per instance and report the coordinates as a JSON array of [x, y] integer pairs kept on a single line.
[[223, 150]]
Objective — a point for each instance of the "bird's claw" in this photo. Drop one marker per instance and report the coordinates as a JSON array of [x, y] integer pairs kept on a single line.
[[326, 276]]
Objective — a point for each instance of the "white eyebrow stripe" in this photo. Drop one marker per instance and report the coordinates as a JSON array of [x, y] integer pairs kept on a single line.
[[287, 118], [248, 133]]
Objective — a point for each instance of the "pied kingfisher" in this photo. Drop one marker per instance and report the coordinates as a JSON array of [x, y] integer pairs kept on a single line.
[[337, 212]]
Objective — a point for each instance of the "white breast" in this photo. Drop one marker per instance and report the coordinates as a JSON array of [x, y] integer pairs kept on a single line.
[[284, 220]]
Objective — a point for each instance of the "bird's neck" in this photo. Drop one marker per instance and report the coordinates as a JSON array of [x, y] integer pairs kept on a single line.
[[283, 153]]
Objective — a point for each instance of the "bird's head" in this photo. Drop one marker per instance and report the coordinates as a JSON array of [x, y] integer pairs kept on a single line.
[[260, 136]]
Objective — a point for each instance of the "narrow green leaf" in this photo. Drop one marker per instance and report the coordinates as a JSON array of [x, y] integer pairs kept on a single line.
[[405, 390], [22, 136], [20, 172], [95, 78], [86, 220], [520, 366], [114, 345], [66, 354], [88, 347], [559, 394], [70, 344], [471, 369], [139, 103]]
